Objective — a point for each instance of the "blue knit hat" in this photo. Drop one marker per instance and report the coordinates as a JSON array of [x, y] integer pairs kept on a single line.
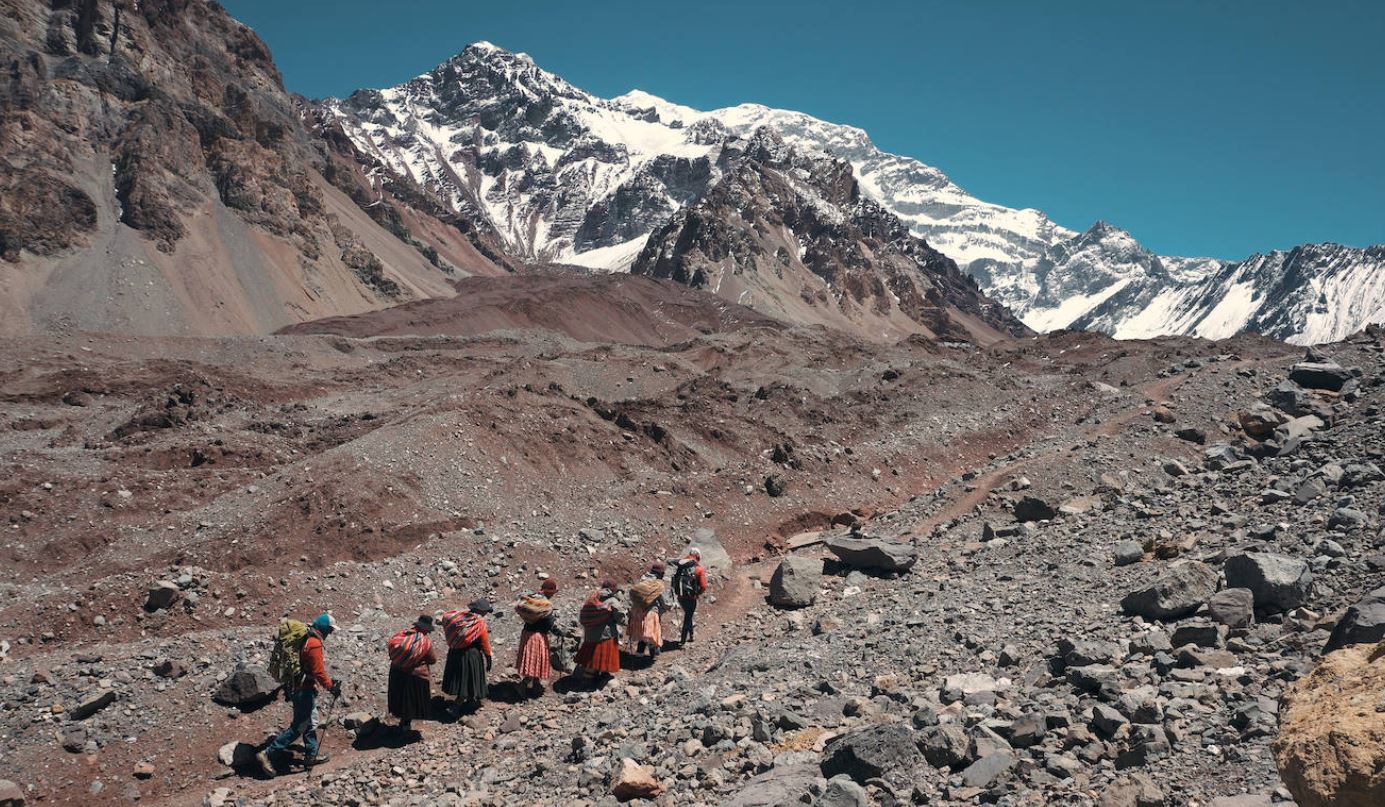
[[325, 624]]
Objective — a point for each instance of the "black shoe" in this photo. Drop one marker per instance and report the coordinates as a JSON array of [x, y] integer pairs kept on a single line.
[[314, 761]]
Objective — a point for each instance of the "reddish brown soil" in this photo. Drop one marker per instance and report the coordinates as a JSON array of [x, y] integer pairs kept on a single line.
[[300, 471]]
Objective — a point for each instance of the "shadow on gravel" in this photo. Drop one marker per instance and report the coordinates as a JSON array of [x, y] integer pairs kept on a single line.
[[630, 661], [387, 737], [507, 692]]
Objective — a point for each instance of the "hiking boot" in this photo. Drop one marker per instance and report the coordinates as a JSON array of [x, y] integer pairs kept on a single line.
[[266, 765], [313, 761]]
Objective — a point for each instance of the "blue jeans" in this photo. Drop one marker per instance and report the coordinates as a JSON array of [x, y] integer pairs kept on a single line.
[[304, 723]]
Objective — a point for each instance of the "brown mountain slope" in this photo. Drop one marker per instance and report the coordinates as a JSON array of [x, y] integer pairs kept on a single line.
[[156, 178], [588, 308]]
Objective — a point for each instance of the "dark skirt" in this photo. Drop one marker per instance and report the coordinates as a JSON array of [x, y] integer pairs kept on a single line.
[[409, 695], [464, 676]]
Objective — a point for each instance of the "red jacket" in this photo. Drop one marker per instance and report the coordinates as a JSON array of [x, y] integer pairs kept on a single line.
[[314, 669]]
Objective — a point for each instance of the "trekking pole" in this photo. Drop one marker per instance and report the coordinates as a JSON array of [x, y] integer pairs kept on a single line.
[[326, 723]]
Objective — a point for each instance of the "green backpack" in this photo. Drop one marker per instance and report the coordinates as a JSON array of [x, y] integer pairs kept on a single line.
[[284, 662]]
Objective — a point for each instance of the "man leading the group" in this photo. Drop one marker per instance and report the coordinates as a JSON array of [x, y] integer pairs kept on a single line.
[[303, 696]]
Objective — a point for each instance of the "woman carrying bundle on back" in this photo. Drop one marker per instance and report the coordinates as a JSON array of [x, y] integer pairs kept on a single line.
[[650, 599], [411, 680], [600, 652], [532, 661], [469, 654]]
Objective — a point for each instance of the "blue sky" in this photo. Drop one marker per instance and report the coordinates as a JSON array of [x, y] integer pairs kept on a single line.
[[1219, 127]]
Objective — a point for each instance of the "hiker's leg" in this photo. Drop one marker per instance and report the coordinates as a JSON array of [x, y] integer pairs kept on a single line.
[[689, 606], [301, 720], [310, 723]]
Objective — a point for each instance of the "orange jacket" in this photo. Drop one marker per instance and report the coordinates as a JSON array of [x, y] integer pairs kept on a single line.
[[314, 669]]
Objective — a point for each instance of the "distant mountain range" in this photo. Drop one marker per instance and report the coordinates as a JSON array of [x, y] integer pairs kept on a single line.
[[156, 177], [564, 176]]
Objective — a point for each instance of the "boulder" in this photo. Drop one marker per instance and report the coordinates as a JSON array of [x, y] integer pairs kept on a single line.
[[715, 558], [1132, 790], [1178, 592], [785, 784], [163, 595], [1290, 398], [944, 746], [1298, 428], [92, 704], [1220, 456], [1324, 375], [1363, 623], [873, 553], [1310, 489], [236, 754], [842, 792], [248, 686], [1192, 435], [1127, 552], [1032, 508], [870, 753], [1260, 421], [796, 582], [634, 781], [1331, 746], [776, 485], [1163, 414], [1348, 518], [985, 771], [1232, 607], [11, 794], [1277, 582]]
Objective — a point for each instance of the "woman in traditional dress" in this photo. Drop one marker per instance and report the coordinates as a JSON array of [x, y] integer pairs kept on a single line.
[[532, 661], [599, 656], [411, 680], [468, 655], [645, 627]]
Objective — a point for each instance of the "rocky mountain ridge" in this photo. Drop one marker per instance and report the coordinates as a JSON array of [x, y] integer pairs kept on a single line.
[[565, 176], [157, 178], [790, 234]]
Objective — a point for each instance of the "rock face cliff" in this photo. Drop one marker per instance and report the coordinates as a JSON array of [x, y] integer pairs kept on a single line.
[[791, 235], [155, 177]]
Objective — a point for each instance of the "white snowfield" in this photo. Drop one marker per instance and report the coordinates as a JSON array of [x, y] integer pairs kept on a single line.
[[567, 177]]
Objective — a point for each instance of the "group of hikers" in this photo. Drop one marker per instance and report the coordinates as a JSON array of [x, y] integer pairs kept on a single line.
[[299, 664]]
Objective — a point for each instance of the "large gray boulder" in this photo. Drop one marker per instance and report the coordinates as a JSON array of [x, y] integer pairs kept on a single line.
[[1032, 508], [162, 595], [873, 553], [774, 788], [1232, 607], [1176, 593], [248, 686], [871, 752], [796, 582], [715, 558], [1277, 582], [1363, 623], [842, 792], [1320, 375]]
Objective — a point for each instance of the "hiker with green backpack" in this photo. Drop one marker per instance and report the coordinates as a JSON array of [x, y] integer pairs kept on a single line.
[[297, 663]]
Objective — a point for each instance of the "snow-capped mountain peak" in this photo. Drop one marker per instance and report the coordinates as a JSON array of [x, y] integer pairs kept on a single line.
[[563, 176]]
